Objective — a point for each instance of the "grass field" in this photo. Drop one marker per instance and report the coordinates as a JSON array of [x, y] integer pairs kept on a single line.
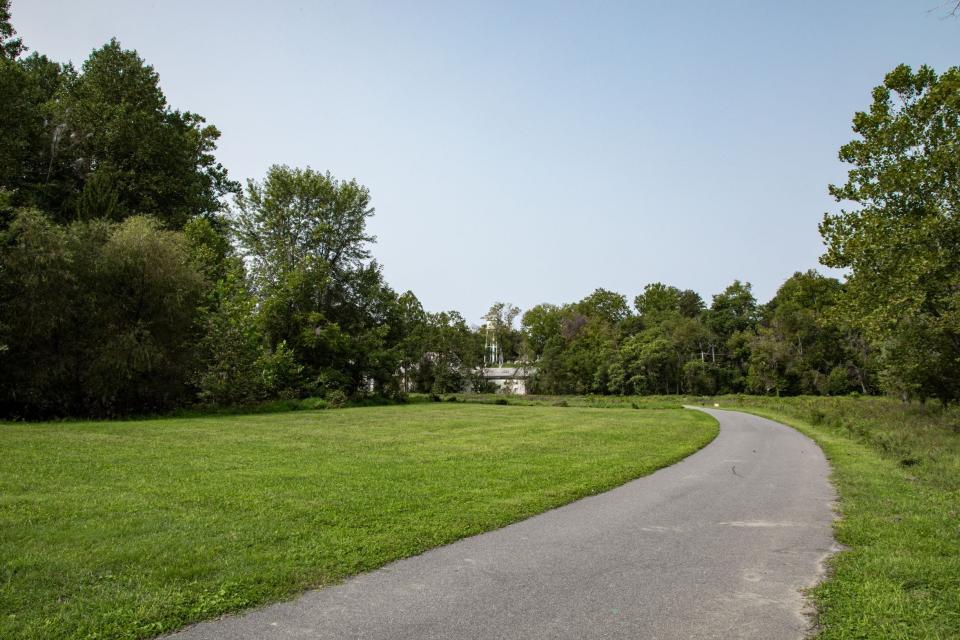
[[897, 470], [129, 529]]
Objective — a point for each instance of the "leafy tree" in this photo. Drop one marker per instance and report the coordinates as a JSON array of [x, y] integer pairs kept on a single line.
[[699, 377], [98, 318], [236, 364], [579, 343], [158, 160], [577, 360], [300, 215], [448, 354], [733, 310], [29, 87], [539, 325], [609, 306], [212, 252], [646, 364], [770, 359], [304, 236], [803, 345], [104, 142], [658, 299], [10, 46], [900, 241]]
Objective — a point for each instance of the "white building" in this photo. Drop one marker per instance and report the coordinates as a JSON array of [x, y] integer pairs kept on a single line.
[[511, 380]]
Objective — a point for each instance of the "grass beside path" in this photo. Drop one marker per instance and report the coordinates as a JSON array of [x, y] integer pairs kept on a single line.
[[129, 529], [897, 470]]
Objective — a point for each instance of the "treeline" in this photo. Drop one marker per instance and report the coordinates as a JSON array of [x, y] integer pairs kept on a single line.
[[670, 342], [137, 277]]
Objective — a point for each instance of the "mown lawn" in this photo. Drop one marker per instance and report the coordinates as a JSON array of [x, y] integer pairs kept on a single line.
[[130, 529], [897, 471]]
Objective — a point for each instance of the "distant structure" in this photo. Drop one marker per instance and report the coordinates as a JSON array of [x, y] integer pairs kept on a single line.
[[493, 356], [506, 379], [512, 380]]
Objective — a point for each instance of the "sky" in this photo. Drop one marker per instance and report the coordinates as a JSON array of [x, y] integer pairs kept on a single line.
[[532, 152]]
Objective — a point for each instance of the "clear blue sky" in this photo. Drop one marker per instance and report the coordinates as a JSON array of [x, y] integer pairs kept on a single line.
[[532, 151]]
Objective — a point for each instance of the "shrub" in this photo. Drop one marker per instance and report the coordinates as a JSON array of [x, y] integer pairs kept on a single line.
[[98, 318], [280, 372], [337, 399]]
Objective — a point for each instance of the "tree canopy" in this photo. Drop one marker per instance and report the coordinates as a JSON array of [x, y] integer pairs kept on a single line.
[[103, 142], [901, 240]]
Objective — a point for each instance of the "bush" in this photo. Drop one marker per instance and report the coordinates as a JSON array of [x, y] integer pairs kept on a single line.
[[280, 372], [838, 382], [98, 318], [337, 399]]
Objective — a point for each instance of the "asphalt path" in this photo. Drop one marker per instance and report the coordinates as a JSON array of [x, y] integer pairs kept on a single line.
[[719, 545]]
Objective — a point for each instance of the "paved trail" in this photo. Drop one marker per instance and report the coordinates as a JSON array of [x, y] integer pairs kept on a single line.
[[716, 546]]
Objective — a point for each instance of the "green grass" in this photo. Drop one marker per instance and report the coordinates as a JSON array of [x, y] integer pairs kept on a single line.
[[897, 471], [591, 401], [129, 529]]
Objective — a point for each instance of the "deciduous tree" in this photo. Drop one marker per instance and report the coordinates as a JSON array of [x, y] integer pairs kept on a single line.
[[901, 239]]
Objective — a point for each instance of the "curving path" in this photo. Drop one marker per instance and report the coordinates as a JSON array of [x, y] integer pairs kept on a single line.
[[719, 545]]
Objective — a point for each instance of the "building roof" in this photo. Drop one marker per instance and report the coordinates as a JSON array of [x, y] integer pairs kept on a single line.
[[508, 372]]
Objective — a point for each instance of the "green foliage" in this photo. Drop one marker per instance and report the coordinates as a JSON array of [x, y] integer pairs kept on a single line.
[[280, 372], [10, 46], [439, 353], [900, 243], [300, 216], [597, 346], [797, 343], [211, 248], [699, 377], [609, 306], [734, 310], [803, 345], [538, 325], [98, 317], [29, 87], [103, 143], [304, 235], [577, 360], [238, 367], [658, 299], [99, 198]]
